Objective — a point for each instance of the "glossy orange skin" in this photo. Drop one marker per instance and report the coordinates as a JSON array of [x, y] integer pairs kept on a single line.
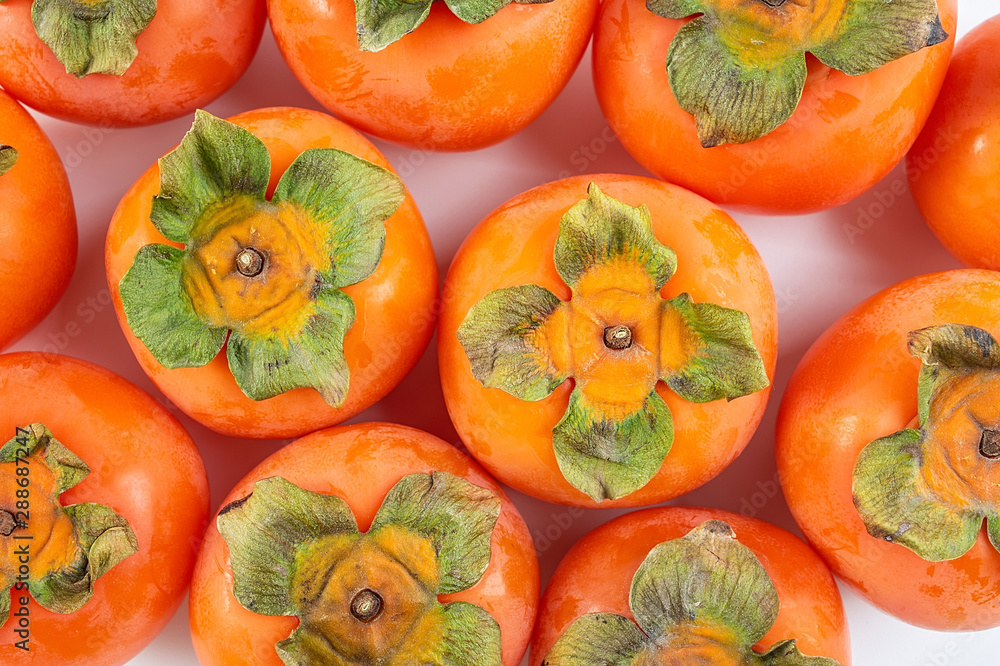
[[191, 53], [144, 466], [846, 134], [954, 166], [395, 305], [448, 85], [360, 463], [716, 262], [595, 575], [37, 221], [857, 383]]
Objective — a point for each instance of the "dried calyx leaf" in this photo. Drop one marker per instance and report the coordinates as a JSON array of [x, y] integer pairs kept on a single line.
[[930, 488], [740, 68], [74, 545], [366, 597], [263, 277], [383, 22], [90, 37], [8, 158], [702, 598]]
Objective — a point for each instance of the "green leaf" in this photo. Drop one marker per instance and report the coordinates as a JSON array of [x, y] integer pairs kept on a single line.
[[946, 351], [786, 653], [476, 11], [5, 604], [597, 639], [104, 535], [104, 539], [723, 584], [350, 197], [896, 505], [875, 32], [993, 530], [721, 359], [675, 9], [456, 515], [499, 336], [66, 466], [92, 37], [472, 636], [8, 157], [264, 532], [382, 22], [310, 358], [159, 312], [216, 160], [601, 229], [732, 101], [608, 459]]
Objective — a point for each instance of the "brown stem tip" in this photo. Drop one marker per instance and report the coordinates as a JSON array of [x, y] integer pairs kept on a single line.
[[989, 444], [7, 523], [249, 262], [367, 605], [618, 337]]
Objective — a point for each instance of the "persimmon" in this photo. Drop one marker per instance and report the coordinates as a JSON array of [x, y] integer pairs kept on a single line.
[[440, 76], [887, 441], [380, 544], [271, 274], [33, 187], [681, 585], [771, 106], [103, 502], [954, 165], [606, 340], [123, 63]]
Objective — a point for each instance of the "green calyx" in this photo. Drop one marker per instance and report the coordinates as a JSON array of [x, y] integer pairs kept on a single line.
[[63, 549], [740, 68], [370, 597], [617, 338], [8, 158], [930, 488], [704, 598], [382, 22], [262, 277], [92, 36]]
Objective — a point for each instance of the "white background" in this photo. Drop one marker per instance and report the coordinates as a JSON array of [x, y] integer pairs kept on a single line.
[[821, 265]]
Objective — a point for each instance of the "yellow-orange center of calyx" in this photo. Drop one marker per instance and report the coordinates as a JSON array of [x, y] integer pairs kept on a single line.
[[963, 441], [253, 266], [768, 30], [371, 599], [615, 337]]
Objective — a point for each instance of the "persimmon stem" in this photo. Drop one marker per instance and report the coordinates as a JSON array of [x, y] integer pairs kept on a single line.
[[249, 262], [774, 3], [366, 605], [7, 523], [618, 337], [989, 444]]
